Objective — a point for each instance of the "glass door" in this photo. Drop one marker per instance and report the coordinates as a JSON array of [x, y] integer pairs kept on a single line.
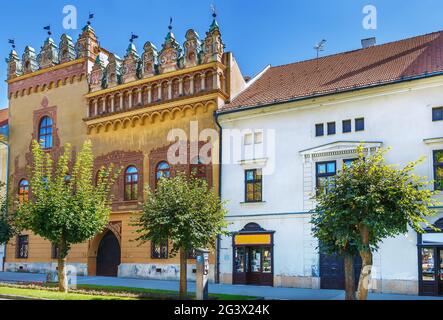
[[429, 271]]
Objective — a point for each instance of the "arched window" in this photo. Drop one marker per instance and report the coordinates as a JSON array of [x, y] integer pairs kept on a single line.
[[45, 133], [131, 183], [163, 171], [23, 191], [198, 168]]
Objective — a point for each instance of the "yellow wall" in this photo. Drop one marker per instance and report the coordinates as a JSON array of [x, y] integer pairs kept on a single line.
[[71, 111]]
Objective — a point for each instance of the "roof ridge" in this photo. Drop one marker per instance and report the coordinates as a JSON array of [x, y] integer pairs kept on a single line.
[[355, 50]]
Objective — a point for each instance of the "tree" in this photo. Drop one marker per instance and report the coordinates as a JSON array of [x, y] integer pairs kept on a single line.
[[65, 206], [185, 213], [7, 229], [371, 201]]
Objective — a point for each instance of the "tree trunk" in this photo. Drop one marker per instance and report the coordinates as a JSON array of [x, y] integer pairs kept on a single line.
[[349, 278], [62, 277], [366, 256], [183, 274]]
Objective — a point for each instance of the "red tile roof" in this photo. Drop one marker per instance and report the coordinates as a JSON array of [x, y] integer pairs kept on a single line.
[[381, 64], [4, 116]]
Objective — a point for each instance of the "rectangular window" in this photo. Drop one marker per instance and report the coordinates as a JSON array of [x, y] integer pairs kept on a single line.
[[54, 251], [319, 130], [159, 250], [438, 169], [348, 162], [331, 128], [253, 185], [258, 137], [360, 124], [437, 114], [22, 247], [347, 126], [427, 264], [248, 139], [325, 175]]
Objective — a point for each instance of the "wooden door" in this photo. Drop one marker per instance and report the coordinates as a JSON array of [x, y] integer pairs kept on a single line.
[[108, 256]]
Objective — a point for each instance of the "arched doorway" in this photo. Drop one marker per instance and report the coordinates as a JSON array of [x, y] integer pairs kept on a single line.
[[108, 256]]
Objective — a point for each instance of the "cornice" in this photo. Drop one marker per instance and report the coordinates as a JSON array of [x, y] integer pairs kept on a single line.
[[42, 71]]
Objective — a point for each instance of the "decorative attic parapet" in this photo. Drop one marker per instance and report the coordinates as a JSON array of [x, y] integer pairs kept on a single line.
[[48, 56], [67, 49], [15, 68], [87, 45], [113, 71], [171, 58], [193, 49], [29, 59], [131, 64], [149, 60]]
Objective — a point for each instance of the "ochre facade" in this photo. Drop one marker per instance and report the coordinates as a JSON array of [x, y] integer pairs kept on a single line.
[[126, 107]]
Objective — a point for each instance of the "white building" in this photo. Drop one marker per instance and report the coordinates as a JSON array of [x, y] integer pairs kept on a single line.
[[299, 124]]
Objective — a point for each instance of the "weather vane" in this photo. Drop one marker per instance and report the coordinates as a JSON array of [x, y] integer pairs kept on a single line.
[[48, 28], [214, 11], [133, 37], [12, 43], [170, 23], [91, 16]]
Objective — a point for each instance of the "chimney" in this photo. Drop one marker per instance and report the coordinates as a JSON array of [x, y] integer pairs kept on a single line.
[[369, 42]]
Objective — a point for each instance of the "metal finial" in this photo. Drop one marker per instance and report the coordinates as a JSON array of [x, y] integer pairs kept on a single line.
[[170, 23], [12, 43], [91, 16], [133, 37], [48, 28], [214, 11]]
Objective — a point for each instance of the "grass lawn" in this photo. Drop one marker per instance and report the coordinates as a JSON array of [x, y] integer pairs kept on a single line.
[[159, 293], [54, 295], [96, 292]]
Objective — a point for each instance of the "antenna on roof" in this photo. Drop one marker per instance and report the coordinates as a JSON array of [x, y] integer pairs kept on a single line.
[[319, 47]]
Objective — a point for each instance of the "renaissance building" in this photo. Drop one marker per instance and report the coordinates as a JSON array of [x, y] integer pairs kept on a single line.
[[76, 90], [300, 124]]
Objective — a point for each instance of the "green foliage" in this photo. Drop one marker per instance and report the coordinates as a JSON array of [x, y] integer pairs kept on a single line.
[[183, 211], [370, 194], [7, 229], [65, 206]]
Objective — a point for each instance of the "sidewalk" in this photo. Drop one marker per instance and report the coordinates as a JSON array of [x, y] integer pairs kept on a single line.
[[270, 293]]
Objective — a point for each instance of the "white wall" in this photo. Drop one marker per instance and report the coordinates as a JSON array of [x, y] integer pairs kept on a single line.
[[400, 119]]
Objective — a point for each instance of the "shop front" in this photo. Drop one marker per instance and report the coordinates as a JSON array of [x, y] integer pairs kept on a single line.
[[253, 261], [430, 261]]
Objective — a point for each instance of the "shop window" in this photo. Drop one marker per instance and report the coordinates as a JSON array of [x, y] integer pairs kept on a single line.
[[239, 260], [427, 264]]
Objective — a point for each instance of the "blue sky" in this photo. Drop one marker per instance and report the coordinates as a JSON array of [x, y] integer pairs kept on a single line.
[[258, 32]]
